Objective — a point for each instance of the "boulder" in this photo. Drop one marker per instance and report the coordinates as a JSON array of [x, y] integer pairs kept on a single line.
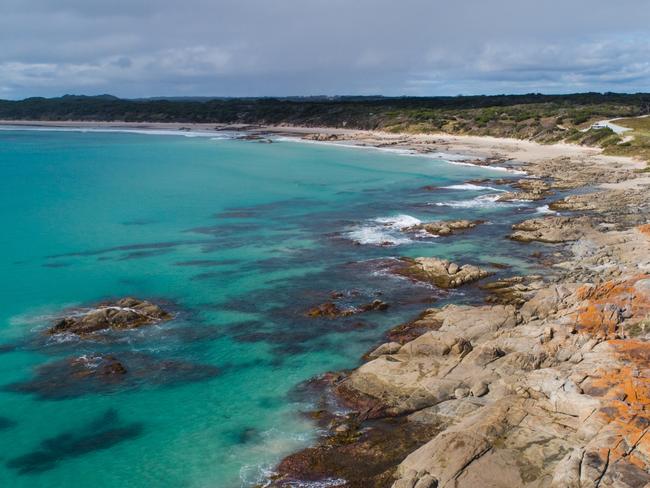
[[441, 272], [444, 227], [126, 313], [551, 229], [332, 310]]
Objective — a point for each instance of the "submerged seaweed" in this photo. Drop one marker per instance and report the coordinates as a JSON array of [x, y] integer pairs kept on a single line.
[[101, 433]]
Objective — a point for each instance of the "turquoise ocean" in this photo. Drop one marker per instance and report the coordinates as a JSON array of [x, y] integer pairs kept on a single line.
[[239, 239]]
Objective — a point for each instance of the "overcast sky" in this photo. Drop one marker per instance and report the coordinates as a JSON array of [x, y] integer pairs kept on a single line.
[[137, 48]]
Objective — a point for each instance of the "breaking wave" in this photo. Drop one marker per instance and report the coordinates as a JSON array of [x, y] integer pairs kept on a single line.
[[544, 209], [384, 231], [483, 201], [471, 187]]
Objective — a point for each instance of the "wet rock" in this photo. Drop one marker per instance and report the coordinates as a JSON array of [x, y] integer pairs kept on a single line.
[[530, 189], [123, 314], [328, 309], [551, 229], [356, 457], [372, 306], [101, 373], [532, 185], [441, 272], [332, 310], [321, 137], [444, 227], [408, 331], [520, 196], [255, 137]]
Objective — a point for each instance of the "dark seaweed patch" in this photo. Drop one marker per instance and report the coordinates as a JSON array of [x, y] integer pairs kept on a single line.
[[56, 265], [206, 276], [292, 203], [5, 348], [6, 423], [145, 254], [106, 431], [128, 247], [206, 262], [105, 373], [235, 214], [221, 230], [247, 435]]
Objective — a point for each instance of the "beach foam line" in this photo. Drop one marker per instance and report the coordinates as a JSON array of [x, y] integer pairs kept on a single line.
[[495, 168], [450, 158], [483, 201], [471, 187]]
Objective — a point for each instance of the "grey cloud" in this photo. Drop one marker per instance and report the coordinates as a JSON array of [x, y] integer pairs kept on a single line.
[[302, 47]]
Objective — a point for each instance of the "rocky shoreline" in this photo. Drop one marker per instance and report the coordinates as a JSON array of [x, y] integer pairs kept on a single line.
[[545, 384]]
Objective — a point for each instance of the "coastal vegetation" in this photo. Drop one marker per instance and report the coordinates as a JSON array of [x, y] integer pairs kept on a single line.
[[636, 142], [541, 118]]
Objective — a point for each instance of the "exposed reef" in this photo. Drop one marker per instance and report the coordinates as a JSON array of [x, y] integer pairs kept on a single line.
[[123, 314], [444, 227], [441, 272], [103, 373]]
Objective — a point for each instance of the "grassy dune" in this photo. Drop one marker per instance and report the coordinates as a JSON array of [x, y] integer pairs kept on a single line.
[[636, 142]]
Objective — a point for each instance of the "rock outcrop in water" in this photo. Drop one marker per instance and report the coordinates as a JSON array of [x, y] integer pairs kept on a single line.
[[529, 190], [551, 229], [126, 313], [105, 373], [441, 272], [444, 227], [332, 310]]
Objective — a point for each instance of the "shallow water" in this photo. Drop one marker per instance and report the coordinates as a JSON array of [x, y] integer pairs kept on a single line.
[[239, 239]]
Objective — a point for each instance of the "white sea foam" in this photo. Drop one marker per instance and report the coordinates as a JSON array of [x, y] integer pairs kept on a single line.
[[494, 168], [471, 187], [401, 221], [368, 235], [483, 201], [544, 209], [383, 231], [273, 442]]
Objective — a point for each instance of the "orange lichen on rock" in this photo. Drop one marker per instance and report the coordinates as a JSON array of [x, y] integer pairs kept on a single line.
[[610, 303], [644, 229], [626, 395], [600, 320]]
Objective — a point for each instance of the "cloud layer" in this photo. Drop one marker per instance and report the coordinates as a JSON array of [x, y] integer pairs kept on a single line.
[[136, 48]]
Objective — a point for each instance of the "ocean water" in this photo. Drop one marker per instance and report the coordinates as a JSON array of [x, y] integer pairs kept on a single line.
[[239, 239]]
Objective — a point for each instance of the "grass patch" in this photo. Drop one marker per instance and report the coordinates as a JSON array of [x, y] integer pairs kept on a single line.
[[639, 144]]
